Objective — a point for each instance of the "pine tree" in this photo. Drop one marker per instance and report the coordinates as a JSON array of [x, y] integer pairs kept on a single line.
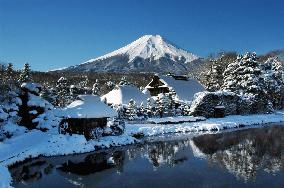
[[25, 75], [149, 108], [171, 102], [142, 111], [186, 110], [214, 78], [49, 94], [10, 77], [110, 85], [123, 81], [131, 110], [62, 88], [96, 89], [273, 81], [230, 76], [244, 77], [162, 105]]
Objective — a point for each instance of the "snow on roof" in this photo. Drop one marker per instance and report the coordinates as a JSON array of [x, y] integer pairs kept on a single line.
[[123, 94], [88, 106], [185, 89], [157, 77]]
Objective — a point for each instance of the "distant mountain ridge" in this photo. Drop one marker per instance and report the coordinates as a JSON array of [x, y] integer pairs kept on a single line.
[[150, 53]]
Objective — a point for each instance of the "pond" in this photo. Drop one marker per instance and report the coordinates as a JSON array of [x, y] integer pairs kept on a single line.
[[244, 158]]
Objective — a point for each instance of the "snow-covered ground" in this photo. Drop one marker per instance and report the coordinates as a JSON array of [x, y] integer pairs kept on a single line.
[[35, 143], [212, 124], [175, 120]]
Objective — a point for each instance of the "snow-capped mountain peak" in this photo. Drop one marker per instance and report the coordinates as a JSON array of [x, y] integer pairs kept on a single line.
[[150, 53], [150, 46]]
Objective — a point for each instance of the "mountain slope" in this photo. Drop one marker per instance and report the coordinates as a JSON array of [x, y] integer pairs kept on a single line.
[[150, 53]]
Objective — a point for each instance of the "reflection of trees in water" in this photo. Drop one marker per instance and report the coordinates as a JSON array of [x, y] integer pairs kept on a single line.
[[31, 170], [160, 153], [95, 163], [92, 163], [245, 152]]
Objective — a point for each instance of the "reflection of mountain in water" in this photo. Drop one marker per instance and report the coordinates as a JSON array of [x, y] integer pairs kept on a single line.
[[245, 152]]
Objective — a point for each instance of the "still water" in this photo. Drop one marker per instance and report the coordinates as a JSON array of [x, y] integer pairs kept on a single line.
[[244, 158]]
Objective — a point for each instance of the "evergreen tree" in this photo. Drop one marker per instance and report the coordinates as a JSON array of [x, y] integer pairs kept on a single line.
[[10, 77], [162, 105], [214, 78], [49, 94], [96, 89], [123, 81], [84, 82], [273, 81], [131, 110], [149, 108], [25, 75], [110, 85], [230, 76], [171, 102], [62, 88], [244, 77]]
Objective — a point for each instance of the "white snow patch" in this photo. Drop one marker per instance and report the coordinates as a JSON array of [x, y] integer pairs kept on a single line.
[[88, 106], [212, 124], [123, 94]]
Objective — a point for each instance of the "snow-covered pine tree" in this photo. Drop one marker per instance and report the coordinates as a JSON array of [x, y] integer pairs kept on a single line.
[[49, 94], [131, 110], [10, 77], [96, 89], [214, 78], [186, 110], [273, 81], [171, 103], [7, 82], [63, 97], [25, 75], [162, 105], [110, 85], [74, 92], [83, 85], [244, 77], [149, 108], [230, 76], [123, 81], [142, 111]]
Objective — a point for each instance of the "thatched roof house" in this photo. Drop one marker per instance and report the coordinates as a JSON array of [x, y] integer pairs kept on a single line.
[[121, 95], [87, 116], [184, 87]]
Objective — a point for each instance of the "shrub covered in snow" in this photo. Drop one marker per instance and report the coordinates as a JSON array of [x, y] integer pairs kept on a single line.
[[259, 85], [34, 111], [204, 103]]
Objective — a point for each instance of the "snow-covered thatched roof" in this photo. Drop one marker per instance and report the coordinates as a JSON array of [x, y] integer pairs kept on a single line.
[[184, 88], [123, 94], [88, 106]]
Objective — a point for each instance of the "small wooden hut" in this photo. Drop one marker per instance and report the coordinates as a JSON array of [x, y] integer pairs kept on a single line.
[[88, 116]]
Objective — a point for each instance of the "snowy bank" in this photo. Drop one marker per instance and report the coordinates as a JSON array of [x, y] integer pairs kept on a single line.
[[36, 143], [21, 146], [175, 120], [212, 124]]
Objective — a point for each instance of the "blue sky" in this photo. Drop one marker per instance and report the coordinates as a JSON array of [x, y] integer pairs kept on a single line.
[[57, 33]]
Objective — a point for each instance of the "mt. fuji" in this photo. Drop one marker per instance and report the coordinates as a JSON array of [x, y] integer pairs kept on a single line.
[[150, 53]]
